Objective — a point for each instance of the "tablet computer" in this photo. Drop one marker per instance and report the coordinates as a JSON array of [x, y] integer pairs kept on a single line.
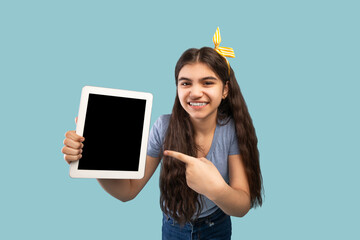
[[115, 124]]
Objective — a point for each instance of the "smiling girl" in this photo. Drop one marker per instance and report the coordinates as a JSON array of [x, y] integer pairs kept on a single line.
[[208, 149]]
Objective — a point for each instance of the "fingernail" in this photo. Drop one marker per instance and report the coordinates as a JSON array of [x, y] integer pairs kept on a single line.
[[165, 152]]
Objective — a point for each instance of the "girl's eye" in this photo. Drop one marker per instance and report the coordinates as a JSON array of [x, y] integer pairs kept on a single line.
[[208, 83], [184, 83]]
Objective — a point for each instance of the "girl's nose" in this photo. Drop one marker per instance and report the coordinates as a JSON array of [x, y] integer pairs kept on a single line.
[[196, 92]]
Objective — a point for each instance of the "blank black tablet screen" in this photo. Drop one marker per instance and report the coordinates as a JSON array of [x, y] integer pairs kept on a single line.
[[113, 132]]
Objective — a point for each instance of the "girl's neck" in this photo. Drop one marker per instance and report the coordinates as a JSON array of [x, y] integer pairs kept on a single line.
[[204, 126]]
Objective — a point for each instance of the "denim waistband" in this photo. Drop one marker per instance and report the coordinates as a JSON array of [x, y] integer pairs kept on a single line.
[[212, 216], [216, 225], [198, 221]]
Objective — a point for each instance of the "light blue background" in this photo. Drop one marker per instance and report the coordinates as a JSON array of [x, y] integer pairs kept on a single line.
[[297, 63]]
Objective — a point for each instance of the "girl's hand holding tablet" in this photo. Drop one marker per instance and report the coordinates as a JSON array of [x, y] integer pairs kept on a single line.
[[73, 146]]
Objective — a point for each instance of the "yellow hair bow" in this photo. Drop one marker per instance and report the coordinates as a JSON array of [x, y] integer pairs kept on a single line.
[[223, 51]]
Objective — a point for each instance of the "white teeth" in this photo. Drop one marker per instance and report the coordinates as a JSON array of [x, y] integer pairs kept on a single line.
[[197, 104]]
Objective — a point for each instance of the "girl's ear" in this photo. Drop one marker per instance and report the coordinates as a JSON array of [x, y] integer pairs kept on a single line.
[[225, 90]]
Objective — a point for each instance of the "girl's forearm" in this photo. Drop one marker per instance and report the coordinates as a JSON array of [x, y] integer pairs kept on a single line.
[[234, 202], [118, 188], [128, 189]]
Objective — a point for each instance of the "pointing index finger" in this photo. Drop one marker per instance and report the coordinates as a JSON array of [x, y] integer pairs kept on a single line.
[[180, 156]]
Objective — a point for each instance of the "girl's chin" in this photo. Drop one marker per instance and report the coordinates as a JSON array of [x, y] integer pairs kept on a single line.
[[198, 116]]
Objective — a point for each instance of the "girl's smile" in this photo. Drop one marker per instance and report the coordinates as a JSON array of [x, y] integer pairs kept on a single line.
[[200, 91], [197, 105]]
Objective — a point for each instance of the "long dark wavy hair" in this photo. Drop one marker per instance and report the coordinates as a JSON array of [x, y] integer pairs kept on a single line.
[[177, 199]]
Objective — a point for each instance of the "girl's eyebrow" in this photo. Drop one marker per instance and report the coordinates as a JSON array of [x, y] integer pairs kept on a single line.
[[201, 79]]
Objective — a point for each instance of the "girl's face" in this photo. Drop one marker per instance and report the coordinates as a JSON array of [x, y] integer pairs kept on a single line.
[[200, 91]]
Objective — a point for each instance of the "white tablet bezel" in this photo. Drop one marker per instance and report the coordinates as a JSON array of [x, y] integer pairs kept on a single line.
[[101, 174]]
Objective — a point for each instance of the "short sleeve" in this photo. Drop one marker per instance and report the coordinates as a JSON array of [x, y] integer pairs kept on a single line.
[[157, 136], [234, 146]]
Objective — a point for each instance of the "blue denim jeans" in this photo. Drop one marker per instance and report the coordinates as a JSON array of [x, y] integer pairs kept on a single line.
[[217, 226]]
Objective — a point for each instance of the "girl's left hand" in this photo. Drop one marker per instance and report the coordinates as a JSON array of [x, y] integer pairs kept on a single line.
[[201, 175]]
